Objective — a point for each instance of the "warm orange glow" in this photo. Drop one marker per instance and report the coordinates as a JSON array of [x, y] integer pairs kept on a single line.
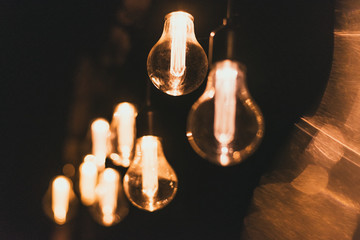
[[108, 194], [60, 198], [125, 116], [100, 132], [178, 26], [224, 159], [149, 169], [89, 158], [88, 180], [225, 103]]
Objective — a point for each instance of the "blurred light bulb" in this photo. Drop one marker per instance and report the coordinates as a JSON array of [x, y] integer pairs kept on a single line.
[[99, 135], [88, 181], [60, 198], [150, 183], [123, 132], [111, 206], [225, 125], [177, 64], [59, 201]]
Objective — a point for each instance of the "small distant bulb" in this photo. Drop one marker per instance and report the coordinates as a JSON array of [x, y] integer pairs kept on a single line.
[[100, 133], [108, 194], [124, 126], [88, 181], [60, 198]]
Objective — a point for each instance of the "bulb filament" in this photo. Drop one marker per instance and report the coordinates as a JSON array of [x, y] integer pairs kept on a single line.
[[149, 170], [225, 104], [178, 28]]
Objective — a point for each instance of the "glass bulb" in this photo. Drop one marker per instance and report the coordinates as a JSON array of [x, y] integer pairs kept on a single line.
[[59, 201], [177, 64], [111, 206], [123, 132], [100, 136], [150, 183], [225, 125]]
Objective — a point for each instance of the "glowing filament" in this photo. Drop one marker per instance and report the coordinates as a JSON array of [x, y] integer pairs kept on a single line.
[[88, 180], [109, 185], [125, 115], [149, 169], [99, 134], [178, 27], [225, 104], [60, 198]]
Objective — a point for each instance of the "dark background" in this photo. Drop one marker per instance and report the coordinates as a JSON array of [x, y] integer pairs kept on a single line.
[[55, 53]]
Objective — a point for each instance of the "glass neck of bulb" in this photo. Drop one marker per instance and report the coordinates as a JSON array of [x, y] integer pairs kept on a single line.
[[179, 23], [228, 66]]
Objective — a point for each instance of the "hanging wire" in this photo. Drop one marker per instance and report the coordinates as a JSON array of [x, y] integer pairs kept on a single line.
[[149, 112]]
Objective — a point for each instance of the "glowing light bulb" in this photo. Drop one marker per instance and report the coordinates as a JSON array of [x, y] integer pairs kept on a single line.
[[99, 135], [59, 201], [150, 183], [225, 125], [177, 64], [88, 181], [123, 130], [111, 206], [60, 198]]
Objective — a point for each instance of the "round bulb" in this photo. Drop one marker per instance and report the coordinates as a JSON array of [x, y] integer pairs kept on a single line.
[[150, 183], [177, 64], [225, 125]]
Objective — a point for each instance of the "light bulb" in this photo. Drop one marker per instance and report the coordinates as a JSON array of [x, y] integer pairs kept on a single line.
[[123, 132], [59, 201], [150, 183], [88, 180], [225, 125], [177, 64], [99, 136], [111, 206]]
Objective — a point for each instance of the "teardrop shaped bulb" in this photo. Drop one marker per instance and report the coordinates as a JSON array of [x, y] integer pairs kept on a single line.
[[177, 64], [225, 125], [150, 183]]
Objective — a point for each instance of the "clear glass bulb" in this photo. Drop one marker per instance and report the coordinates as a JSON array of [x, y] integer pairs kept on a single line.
[[111, 206], [225, 125], [60, 202], [177, 64], [123, 134], [150, 183]]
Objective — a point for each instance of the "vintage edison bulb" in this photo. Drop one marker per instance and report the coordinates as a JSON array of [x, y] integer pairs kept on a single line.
[[123, 134], [225, 125], [177, 64], [60, 202], [150, 183]]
